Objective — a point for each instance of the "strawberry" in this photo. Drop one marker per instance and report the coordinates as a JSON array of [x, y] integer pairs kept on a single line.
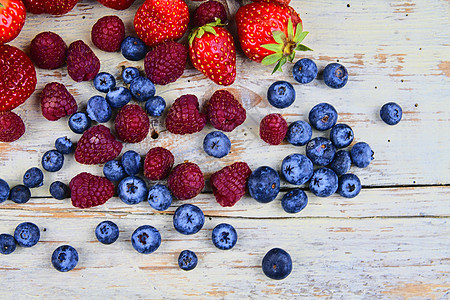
[[53, 7], [284, 2], [117, 4], [270, 33], [213, 53], [12, 19]]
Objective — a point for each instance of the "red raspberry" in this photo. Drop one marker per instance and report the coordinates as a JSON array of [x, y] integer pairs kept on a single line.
[[158, 163], [184, 117], [132, 124], [186, 181], [54, 7], [48, 50], [88, 190], [273, 129], [224, 112], [82, 63], [11, 126], [208, 11], [229, 183], [57, 102], [96, 146], [108, 33], [166, 62]]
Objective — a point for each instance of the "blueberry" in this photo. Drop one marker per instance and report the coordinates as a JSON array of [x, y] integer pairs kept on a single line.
[[59, 190], [305, 70], [264, 184], [114, 171], [324, 182], [129, 74], [20, 194], [320, 151], [281, 94], [159, 197], [7, 243], [297, 168], [341, 163], [79, 122], [52, 161], [341, 135], [132, 190], [133, 48], [64, 145], [277, 264], [349, 186], [335, 75], [188, 219], [118, 97], [299, 133], [155, 106], [146, 239], [142, 88], [103, 82], [216, 144], [4, 190], [107, 232], [294, 201], [98, 109], [27, 234], [391, 113], [131, 162], [64, 258], [187, 260], [323, 116], [224, 236], [33, 177], [361, 154]]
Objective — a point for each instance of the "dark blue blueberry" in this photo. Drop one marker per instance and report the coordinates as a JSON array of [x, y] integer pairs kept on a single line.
[[341, 135], [33, 177], [391, 113], [341, 163], [27, 234], [118, 97], [224, 236], [20, 194], [107, 232], [320, 151], [361, 154], [146, 239], [98, 109], [142, 88], [52, 161], [64, 145], [324, 182], [297, 168], [299, 133], [64, 258], [7, 243], [132, 190], [159, 197], [305, 70], [335, 75], [323, 116], [281, 94], [264, 184], [187, 260], [349, 186], [59, 190], [114, 171], [216, 144], [133, 48], [188, 219], [103, 82], [4, 190], [277, 264], [294, 201], [129, 74], [155, 106], [131, 162], [79, 122]]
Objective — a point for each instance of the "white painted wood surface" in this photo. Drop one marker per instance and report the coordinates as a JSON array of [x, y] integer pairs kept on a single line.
[[391, 241]]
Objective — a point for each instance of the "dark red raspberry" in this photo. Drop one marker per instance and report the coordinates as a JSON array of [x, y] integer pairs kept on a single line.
[[208, 11], [132, 124], [224, 112], [57, 102], [88, 190], [186, 181], [11, 126], [96, 146], [273, 129], [108, 33], [158, 163], [184, 117], [166, 62], [229, 183], [82, 63], [48, 51]]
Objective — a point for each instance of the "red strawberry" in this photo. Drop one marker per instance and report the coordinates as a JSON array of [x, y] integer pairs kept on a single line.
[[224, 112], [12, 19], [17, 77], [186, 181], [82, 63], [158, 163], [184, 117], [11, 126], [132, 124], [57, 102], [88, 190], [283, 2], [53, 7], [117, 4]]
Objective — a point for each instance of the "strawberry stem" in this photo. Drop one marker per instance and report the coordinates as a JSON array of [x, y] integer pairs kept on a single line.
[[199, 31]]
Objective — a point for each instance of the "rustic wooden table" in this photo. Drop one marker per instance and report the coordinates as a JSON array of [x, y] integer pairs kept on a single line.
[[392, 241]]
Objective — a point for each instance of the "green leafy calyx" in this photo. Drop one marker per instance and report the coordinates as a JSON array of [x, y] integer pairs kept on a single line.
[[198, 32]]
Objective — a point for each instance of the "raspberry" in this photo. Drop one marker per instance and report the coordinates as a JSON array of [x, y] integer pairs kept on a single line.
[[48, 51], [11, 126], [108, 33], [96, 146], [166, 62], [229, 183], [158, 163], [82, 63], [273, 129], [184, 116], [132, 124], [88, 190], [224, 112], [208, 11], [186, 181], [57, 102]]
